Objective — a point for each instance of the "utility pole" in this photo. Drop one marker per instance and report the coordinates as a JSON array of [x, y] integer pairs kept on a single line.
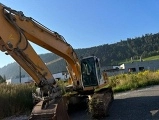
[[20, 73]]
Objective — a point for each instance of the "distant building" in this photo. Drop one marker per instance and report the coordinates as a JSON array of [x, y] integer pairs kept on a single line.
[[18, 80], [113, 70], [61, 76], [58, 76], [138, 66], [135, 66]]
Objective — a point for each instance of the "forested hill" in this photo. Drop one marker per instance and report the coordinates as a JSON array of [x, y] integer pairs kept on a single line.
[[145, 46]]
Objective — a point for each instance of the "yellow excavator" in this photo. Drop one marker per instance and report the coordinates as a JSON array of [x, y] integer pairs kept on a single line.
[[85, 74]]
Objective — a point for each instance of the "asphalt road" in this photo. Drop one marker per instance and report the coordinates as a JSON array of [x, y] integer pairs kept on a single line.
[[142, 104]]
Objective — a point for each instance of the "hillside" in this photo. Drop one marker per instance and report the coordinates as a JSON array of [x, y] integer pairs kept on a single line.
[[53, 62], [144, 46]]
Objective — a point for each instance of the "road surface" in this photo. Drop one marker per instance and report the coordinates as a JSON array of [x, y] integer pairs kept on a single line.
[[142, 104]]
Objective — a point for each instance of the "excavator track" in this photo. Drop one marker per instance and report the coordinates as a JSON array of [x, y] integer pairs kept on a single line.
[[56, 110], [100, 103]]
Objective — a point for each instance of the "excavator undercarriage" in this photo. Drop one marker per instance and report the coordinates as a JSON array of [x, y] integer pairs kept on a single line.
[[97, 105], [100, 102]]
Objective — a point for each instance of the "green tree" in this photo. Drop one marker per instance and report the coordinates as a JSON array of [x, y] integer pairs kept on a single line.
[[2, 80]]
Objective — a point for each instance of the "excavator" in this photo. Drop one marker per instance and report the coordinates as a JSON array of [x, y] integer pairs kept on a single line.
[[17, 31]]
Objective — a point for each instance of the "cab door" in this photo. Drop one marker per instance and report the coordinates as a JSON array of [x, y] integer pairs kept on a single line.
[[89, 73]]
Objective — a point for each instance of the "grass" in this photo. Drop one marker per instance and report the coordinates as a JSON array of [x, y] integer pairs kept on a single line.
[[144, 59], [124, 82], [15, 99], [152, 58]]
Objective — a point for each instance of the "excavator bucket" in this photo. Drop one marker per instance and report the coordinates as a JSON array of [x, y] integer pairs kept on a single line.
[[56, 110]]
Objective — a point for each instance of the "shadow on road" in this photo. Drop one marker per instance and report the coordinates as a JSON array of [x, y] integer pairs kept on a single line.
[[134, 108]]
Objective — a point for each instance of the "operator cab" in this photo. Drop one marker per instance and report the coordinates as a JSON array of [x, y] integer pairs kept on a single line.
[[90, 69]]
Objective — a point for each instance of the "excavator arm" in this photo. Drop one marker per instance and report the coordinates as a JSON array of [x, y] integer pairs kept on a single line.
[[20, 29]]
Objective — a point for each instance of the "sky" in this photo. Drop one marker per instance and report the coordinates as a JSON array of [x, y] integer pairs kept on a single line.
[[89, 23]]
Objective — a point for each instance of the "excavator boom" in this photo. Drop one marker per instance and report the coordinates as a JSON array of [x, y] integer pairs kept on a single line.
[[20, 30]]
